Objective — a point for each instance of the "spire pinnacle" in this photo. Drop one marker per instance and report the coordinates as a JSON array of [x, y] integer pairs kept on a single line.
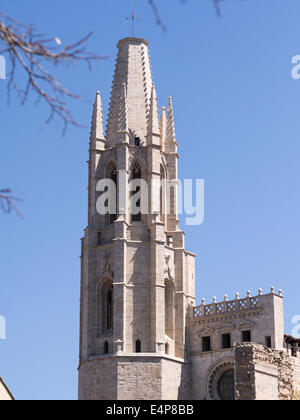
[[132, 68], [153, 125], [97, 132], [171, 136], [163, 126]]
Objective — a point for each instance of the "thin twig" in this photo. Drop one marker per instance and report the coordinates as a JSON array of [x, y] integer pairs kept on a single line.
[[217, 7], [30, 51], [157, 15], [8, 202]]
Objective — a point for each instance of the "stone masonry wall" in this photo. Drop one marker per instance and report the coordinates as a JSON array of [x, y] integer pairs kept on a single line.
[[97, 380], [134, 377], [296, 376], [263, 373], [139, 379], [176, 380]]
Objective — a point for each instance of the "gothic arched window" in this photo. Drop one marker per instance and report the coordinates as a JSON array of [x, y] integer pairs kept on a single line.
[[169, 309], [112, 203], [105, 308], [136, 214]]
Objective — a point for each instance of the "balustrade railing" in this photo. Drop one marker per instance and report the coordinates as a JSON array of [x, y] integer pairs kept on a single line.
[[232, 306]]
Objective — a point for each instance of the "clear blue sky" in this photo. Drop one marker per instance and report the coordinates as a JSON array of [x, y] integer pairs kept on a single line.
[[237, 123]]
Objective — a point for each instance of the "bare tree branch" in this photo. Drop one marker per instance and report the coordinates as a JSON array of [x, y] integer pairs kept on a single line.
[[157, 15], [8, 202], [217, 7], [30, 51]]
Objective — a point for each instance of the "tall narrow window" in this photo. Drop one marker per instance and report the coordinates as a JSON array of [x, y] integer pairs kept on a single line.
[[106, 348], [170, 198], [113, 176], [136, 215], [138, 346], [169, 309], [109, 314], [105, 308], [206, 344]]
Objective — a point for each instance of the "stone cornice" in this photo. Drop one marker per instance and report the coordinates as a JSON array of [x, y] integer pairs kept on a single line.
[[133, 39], [225, 317], [122, 356]]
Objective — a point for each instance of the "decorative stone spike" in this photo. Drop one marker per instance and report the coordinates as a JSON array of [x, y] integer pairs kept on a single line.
[[272, 290], [163, 126], [153, 125], [214, 300], [203, 301], [97, 132], [226, 298], [280, 292], [237, 296], [260, 292], [171, 136], [248, 294]]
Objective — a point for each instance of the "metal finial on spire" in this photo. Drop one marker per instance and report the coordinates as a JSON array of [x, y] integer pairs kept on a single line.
[[132, 18]]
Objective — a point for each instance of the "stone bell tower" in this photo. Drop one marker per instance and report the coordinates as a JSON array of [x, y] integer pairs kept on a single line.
[[137, 280]]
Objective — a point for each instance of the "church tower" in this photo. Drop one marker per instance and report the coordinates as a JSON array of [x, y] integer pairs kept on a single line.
[[137, 280]]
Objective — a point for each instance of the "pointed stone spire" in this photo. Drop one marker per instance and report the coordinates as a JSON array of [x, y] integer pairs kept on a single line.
[[171, 137], [97, 132], [153, 124], [132, 68], [163, 126]]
